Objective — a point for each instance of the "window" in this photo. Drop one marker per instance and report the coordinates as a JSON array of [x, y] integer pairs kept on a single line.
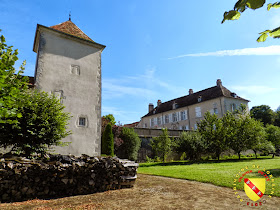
[[195, 126], [233, 107], [75, 69], [216, 110], [199, 99], [198, 111], [166, 119], [159, 120], [175, 106], [183, 115], [152, 122], [174, 117], [145, 125], [82, 121]]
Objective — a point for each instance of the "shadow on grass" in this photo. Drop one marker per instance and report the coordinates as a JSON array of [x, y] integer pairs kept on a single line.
[[175, 163]]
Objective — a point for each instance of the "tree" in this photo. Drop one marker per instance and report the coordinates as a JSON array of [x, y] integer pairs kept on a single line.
[[273, 135], [277, 118], [212, 131], [263, 113], [42, 125], [263, 146], [107, 144], [11, 84], [110, 118], [162, 145], [131, 143], [243, 132], [242, 5], [191, 143]]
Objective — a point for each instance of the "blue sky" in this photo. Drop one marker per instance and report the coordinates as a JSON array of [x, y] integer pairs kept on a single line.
[[159, 49]]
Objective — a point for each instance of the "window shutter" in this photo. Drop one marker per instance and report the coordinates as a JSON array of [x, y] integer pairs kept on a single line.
[[155, 121], [170, 118], [150, 122], [178, 116]]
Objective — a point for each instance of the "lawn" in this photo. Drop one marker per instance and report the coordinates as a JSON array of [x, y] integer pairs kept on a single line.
[[220, 173]]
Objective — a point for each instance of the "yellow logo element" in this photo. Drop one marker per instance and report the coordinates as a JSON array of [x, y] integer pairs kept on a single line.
[[254, 188]]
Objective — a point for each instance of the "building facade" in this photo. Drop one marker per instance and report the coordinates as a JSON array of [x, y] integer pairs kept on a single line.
[[69, 66], [185, 112]]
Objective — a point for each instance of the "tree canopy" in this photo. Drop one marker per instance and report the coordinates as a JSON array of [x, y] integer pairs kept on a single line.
[[12, 84], [263, 113], [242, 5]]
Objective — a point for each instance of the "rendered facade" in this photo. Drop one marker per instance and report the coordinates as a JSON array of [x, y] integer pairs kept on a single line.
[[69, 66], [185, 112]]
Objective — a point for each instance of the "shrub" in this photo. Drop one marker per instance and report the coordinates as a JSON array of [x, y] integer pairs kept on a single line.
[[191, 144], [43, 124], [107, 144], [131, 143]]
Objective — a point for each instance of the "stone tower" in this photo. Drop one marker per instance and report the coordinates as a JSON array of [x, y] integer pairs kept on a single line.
[[69, 66]]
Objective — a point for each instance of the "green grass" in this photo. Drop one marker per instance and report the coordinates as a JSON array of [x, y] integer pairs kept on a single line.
[[220, 173]]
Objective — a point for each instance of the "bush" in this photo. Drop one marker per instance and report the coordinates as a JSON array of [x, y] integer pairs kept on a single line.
[[43, 124], [131, 143], [107, 144], [191, 144]]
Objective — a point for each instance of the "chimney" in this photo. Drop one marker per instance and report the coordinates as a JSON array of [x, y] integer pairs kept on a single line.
[[190, 91], [151, 107], [219, 82], [158, 102]]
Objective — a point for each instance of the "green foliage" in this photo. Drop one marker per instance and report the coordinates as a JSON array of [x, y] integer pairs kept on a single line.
[[131, 143], [11, 84], [212, 131], [242, 5], [162, 145], [191, 144], [43, 124], [107, 144], [277, 118], [110, 118], [263, 113], [273, 135], [242, 131]]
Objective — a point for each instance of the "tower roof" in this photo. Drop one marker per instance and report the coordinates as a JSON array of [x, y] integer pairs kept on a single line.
[[69, 27]]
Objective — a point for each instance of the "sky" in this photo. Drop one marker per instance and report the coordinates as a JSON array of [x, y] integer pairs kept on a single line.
[[159, 49]]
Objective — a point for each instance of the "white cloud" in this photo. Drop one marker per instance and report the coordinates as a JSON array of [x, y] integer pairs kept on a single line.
[[270, 50], [254, 89]]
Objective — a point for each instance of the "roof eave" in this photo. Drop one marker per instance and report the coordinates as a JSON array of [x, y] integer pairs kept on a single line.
[[35, 45]]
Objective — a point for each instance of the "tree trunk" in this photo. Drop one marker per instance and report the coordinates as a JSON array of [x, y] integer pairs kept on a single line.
[[255, 151], [239, 155], [273, 155]]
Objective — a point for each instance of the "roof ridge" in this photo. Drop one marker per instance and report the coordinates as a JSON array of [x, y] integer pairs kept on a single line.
[[71, 28]]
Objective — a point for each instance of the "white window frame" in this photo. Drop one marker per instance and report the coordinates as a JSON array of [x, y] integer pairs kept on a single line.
[[159, 120], [166, 118], [197, 111], [174, 117], [183, 115]]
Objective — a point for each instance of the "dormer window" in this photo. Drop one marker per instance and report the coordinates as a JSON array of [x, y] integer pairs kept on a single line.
[[234, 95], [175, 106], [154, 111], [199, 99]]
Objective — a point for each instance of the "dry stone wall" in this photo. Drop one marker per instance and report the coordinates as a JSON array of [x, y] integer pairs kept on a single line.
[[61, 175]]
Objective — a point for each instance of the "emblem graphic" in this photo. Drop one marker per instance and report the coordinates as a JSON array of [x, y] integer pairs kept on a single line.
[[254, 188]]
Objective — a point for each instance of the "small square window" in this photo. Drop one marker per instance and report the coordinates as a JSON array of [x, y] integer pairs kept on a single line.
[[82, 121]]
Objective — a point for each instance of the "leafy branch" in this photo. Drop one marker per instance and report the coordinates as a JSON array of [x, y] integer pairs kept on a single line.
[[242, 5]]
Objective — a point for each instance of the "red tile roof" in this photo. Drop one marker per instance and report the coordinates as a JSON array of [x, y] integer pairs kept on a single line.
[[69, 27]]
